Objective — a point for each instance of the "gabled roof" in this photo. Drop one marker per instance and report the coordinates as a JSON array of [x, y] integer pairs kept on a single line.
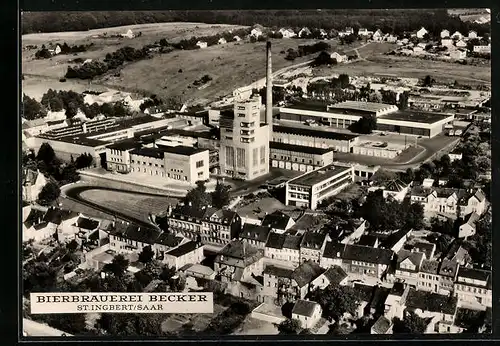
[[306, 272], [134, 232], [276, 220], [278, 271], [335, 274], [313, 240], [433, 302], [429, 267], [225, 216], [474, 274], [56, 216], [304, 308], [471, 219], [168, 239], [425, 247], [382, 325], [367, 254], [87, 223], [275, 240], [414, 257], [254, 232], [448, 268], [183, 249], [292, 242], [334, 250], [367, 240]]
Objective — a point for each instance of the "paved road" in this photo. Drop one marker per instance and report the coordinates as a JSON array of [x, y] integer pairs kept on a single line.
[[32, 328]]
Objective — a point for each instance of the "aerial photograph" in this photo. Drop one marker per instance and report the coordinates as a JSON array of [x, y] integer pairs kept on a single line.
[[320, 172]]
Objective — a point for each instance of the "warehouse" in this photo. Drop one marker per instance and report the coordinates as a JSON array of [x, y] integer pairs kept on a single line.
[[299, 157], [314, 138], [389, 118], [309, 189]]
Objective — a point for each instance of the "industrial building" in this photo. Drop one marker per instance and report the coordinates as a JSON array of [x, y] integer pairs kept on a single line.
[[389, 118], [309, 189], [315, 138], [299, 157]]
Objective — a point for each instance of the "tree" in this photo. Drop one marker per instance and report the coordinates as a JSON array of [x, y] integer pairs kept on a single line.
[[146, 255], [46, 153], [411, 324], [117, 267], [32, 109], [414, 216], [72, 245], [198, 196], [220, 196], [365, 125], [323, 59], [443, 242], [428, 81], [49, 193], [167, 273], [337, 300], [289, 326], [344, 80]]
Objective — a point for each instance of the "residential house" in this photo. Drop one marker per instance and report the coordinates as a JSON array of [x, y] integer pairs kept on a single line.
[[349, 30], [61, 221], [220, 226], [455, 156], [85, 228], [237, 38], [427, 248], [428, 277], [307, 312], [445, 33], [278, 221], [364, 260], [438, 308], [202, 44], [198, 271], [323, 33], [461, 44], [287, 32], [365, 293], [447, 274], [352, 230], [396, 240], [304, 32], [394, 188], [283, 247], [473, 287], [457, 35], [437, 200], [255, 235], [473, 200], [165, 242], [391, 38], [222, 40], [34, 227], [334, 275], [288, 285], [312, 246], [32, 184], [239, 267], [338, 57], [363, 32], [378, 35], [457, 253], [332, 254], [468, 228], [186, 221], [378, 300], [394, 304], [408, 267], [128, 34], [428, 182], [125, 237], [382, 326], [422, 32], [447, 42], [458, 54], [190, 252], [472, 34]]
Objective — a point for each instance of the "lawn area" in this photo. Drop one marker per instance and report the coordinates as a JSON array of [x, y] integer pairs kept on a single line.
[[351, 192], [134, 205], [375, 49]]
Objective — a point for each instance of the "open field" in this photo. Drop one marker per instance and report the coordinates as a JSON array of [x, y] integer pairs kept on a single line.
[[134, 205]]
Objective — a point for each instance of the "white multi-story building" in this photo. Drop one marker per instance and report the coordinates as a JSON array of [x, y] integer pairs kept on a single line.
[[309, 189], [244, 144], [473, 287]]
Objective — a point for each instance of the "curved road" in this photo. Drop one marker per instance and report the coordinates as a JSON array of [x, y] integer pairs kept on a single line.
[[73, 193]]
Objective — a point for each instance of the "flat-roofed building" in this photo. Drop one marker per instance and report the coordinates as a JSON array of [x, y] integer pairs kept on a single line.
[[181, 163], [118, 155], [309, 189], [244, 141], [299, 157], [341, 142]]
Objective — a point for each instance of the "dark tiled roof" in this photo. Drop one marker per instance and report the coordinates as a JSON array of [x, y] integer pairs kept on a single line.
[[56, 216], [367, 254], [86, 223], [186, 211], [226, 217], [380, 295], [276, 220], [292, 242], [415, 258], [29, 176], [381, 326], [168, 239], [275, 240], [475, 274], [368, 240], [426, 248], [304, 308], [126, 144], [34, 217], [397, 289], [313, 240], [238, 249], [472, 218], [334, 250], [306, 272], [182, 150], [183, 249], [40, 225], [429, 267], [433, 302], [448, 268], [134, 232], [149, 152], [393, 238], [278, 271], [254, 232], [335, 274]]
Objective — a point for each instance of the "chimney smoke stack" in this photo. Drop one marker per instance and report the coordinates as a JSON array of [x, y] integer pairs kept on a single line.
[[269, 90]]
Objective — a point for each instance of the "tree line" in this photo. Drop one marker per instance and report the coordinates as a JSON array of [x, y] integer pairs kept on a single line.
[[44, 53], [396, 21]]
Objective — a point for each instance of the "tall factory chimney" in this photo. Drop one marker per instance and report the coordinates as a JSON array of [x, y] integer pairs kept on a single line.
[[269, 90]]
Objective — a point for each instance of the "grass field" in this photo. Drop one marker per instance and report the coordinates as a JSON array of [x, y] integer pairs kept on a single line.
[[131, 204]]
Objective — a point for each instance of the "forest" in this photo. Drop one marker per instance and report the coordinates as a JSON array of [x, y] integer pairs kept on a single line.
[[391, 20]]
